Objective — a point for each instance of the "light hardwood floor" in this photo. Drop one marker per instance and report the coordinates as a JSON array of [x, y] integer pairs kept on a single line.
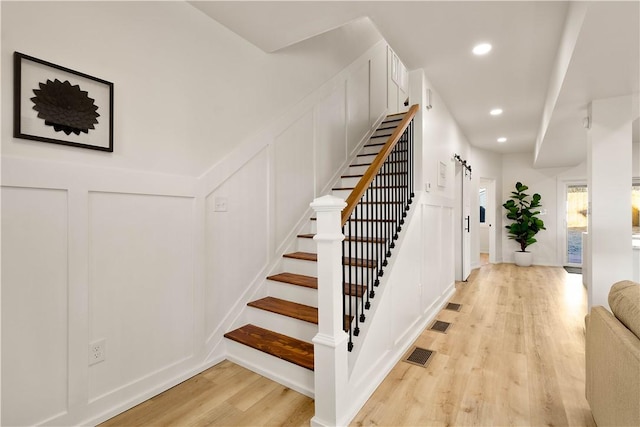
[[514, 355]]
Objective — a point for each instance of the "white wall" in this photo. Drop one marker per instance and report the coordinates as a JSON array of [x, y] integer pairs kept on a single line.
[[122, 247], [545, 181], [609, 143], [187, 90]]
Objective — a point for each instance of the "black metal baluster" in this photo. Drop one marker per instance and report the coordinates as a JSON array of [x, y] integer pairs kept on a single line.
[[388, 223], [405, 176], [376, 228], [411, 166], [353, 268], [370, 249], [345, 310], [363, 261]]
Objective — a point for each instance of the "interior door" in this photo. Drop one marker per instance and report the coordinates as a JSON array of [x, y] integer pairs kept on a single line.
[[462, 213], [466, 225]]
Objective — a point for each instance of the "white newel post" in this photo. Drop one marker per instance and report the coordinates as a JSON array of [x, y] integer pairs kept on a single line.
[[330, 344]]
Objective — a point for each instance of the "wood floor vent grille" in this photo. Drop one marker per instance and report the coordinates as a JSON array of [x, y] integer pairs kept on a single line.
[[419, 356], [440, 326], [453, 306]]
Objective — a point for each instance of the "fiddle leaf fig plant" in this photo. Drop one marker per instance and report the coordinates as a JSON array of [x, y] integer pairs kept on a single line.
[[521, 209]]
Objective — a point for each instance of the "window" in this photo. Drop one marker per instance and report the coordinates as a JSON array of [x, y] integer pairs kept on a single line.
[[635, 207]]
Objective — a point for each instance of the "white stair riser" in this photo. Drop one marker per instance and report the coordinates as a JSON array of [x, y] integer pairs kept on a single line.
[[375, 232], [286, 373], [309, 245], [357, 170], [359, 160], [295, 328], [298, 266], [374, 148], [390, 196], [383, 180], [369, 228], [310, 269], [357, 276], [293, 293], [386, 129], [349, 182], [378, 210]]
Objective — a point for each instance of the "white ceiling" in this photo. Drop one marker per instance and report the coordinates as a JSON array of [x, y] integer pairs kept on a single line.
[[438, 36]]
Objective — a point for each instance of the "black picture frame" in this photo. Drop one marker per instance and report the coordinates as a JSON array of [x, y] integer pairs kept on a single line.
[[59, 105]]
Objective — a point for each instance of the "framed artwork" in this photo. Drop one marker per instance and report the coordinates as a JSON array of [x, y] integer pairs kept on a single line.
[[55, 104], [442, 174]]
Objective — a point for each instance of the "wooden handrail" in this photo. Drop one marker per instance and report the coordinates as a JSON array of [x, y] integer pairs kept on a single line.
[[377, 163]]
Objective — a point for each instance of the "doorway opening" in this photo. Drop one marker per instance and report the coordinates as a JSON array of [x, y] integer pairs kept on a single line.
[[577, 203], [486, 218]]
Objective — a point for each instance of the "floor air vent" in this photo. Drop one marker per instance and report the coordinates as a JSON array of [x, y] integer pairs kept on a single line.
[[419, 356], [440, 326], [453, 306]]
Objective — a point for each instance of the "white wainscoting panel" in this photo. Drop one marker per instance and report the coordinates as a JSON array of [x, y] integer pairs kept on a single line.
[[34, 305], [432, 261], [447, 246], [294, 174], [141, 285], [236, 240], [406, 286], [357, 107], [378, 87], [331, 139]]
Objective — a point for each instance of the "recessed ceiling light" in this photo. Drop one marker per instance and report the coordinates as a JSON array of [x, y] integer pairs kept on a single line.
[[482, 49], [496, 111], [502, 139]]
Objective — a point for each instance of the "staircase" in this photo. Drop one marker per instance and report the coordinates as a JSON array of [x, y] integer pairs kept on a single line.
[[286, 320]]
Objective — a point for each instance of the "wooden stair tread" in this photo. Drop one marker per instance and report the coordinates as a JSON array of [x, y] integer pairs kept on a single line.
[[388, 127], [383, 174], [312, 282], [397, 114], [381, 203], [287, 308], [369, 164], [305, 256], [354, 290], [359, 262], [281, 346], [377, 186], [349, 238], [372, 220], [308, 256], [365, 219], [296, 279]]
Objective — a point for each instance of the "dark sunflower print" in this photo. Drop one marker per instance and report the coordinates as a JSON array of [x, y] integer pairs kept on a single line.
[[65, 107]]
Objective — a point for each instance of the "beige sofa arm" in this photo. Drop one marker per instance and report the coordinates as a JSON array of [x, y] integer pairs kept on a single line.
[[613, 370]]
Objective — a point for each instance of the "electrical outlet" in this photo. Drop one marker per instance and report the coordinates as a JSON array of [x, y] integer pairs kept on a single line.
[[97, 351], [220, 204]]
